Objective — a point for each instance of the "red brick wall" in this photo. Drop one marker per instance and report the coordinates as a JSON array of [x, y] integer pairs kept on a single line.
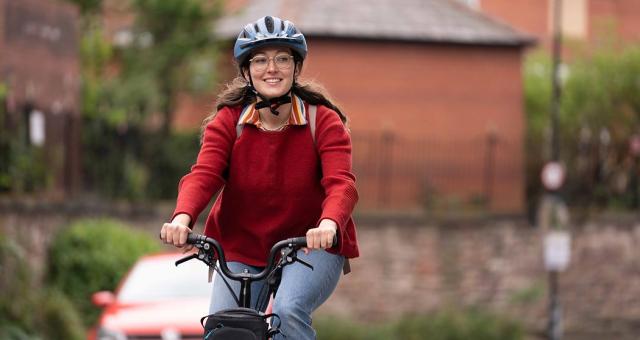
[[445, 98], [40, 64], [604, 17], [40, 68], [620, 16], [529, 16]]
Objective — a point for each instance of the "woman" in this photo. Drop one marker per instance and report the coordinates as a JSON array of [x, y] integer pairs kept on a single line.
[[279, 176]]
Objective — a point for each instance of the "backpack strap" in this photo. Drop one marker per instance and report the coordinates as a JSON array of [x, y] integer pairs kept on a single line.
[[239, 129], [312, 121]]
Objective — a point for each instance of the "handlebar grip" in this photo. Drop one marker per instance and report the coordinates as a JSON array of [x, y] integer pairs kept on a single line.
[[298, 241], [193, 238]]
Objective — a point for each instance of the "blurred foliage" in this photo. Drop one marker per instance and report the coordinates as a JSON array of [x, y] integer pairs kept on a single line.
[[444, 325], [600, 112], [22, 166], [5, 178], [27, 312], [129, 93], [93, 255]]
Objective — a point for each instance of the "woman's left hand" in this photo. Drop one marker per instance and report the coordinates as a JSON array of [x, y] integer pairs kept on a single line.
[[322, 236]]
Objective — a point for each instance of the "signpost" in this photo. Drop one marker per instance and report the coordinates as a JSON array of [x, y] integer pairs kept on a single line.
[[553, 217]]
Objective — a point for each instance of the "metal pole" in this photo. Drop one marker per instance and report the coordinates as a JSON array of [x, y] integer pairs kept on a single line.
[[555, 310], [556, 91]]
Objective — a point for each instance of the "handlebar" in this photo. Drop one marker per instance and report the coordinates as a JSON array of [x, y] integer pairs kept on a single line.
[[205, 243]]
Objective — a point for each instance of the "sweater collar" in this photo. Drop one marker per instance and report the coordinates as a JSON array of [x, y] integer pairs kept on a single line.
[[298, 116]]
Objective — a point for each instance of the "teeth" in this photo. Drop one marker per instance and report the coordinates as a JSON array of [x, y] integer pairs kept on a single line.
[[272, 80]]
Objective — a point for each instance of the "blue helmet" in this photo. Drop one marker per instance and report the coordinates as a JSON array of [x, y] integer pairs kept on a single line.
[[269, 31]]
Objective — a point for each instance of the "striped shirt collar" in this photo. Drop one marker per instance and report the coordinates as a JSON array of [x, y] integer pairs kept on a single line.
[[298, 116]]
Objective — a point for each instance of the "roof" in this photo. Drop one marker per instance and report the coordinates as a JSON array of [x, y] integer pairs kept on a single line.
[[444, 21]]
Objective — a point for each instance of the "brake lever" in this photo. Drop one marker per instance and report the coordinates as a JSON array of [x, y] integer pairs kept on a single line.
[[186, 258], [296, 259]]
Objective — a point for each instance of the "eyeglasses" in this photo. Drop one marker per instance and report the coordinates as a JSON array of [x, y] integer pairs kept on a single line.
[[261, 62]]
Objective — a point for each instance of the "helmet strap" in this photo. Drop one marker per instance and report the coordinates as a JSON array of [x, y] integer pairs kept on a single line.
[[274, 103]]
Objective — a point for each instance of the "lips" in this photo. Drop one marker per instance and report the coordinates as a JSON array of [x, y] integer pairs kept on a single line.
[[272, 80]]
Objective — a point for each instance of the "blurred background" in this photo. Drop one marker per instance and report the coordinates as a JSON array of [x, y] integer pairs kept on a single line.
[[455, 106]]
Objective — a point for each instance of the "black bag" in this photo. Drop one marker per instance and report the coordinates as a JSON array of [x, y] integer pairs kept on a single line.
[[237, 324]]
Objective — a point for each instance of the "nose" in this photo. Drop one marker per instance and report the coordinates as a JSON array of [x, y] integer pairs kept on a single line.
[[271, 65]]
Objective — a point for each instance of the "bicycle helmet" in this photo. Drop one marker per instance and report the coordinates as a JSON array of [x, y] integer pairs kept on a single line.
[[268, 31]]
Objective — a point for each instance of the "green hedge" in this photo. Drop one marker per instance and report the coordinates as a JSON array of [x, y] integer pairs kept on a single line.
[[93, 255], [445, 325], [28, 312]]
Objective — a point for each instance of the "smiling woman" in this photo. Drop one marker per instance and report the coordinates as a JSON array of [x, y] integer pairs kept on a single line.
[[289, 175]]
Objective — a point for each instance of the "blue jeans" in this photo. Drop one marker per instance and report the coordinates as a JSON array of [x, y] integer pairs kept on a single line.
[[300, 293]]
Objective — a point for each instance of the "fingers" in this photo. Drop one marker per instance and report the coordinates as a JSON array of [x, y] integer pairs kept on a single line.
[[320, 238], [175, 234]]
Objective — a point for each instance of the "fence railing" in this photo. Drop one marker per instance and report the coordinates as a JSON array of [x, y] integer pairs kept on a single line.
[[397, 172]]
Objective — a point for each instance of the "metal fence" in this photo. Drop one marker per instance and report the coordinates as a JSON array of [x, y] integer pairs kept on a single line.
[[397, 172]]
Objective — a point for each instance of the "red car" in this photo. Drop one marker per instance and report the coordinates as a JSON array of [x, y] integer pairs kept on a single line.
[[155, 300]]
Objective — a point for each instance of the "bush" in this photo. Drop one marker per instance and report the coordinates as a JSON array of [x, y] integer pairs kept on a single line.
[[93, 255], [446, 325], [169, 160], [452, 325], [599, 114], [59, 319], [26, 312], [341, 329], [16, 300]]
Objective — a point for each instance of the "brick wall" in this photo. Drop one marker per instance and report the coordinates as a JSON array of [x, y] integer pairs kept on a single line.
[[603, 17], [449, 97], [418, 267], [39, 63], [529, 16], [496, 265], [619, 16]]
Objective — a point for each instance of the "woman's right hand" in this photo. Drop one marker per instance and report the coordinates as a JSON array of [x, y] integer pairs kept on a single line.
[[176, 232]]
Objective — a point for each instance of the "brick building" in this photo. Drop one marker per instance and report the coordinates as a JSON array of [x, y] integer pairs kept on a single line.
[[582, 20], [433, 91], [39, 66]]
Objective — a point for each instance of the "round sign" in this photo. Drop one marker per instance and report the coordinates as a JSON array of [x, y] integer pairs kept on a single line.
[[552, 176]]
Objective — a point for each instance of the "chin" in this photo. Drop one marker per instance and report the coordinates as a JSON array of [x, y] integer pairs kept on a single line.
[[273, 94]]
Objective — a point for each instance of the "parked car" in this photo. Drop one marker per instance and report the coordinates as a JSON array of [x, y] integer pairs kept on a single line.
[[155, 300]]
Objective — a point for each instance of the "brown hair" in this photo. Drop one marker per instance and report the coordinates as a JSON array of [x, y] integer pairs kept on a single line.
[[238, 93]]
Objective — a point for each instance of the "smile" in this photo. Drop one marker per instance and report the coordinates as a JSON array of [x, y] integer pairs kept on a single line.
[[272, 80]]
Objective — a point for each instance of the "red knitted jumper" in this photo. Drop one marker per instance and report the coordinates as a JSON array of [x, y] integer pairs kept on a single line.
[[276, 185]]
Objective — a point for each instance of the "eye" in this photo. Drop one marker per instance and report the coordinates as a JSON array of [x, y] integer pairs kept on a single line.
[[259, 60], [283, 59]]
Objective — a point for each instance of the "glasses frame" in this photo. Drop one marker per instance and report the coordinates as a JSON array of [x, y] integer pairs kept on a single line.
[[269, 60]]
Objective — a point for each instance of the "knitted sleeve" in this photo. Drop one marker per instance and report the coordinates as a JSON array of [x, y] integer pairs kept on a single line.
[[206, 177], [338, 181]]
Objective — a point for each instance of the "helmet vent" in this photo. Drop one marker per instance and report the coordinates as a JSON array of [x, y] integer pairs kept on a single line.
[[255, 26], [281, 25], [268, 21]]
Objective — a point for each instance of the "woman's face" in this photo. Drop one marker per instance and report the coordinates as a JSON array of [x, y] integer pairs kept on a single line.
[[272, 71]]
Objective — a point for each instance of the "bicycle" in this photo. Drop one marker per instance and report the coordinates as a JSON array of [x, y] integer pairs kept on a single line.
[[244, 322]]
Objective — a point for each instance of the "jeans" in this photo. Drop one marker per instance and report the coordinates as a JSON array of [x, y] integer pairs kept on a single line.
[[301, 291]]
